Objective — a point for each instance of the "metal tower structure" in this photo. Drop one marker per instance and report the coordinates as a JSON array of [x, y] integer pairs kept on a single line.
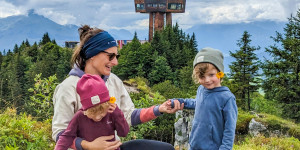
[[160, 12]]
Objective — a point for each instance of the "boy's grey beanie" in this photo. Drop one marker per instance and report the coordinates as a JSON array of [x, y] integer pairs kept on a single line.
[[210, 55]]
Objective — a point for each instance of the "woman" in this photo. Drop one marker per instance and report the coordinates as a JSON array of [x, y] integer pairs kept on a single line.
[[96, 55]]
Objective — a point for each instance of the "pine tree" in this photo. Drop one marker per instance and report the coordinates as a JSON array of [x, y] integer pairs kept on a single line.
[[1, 77], [161, 70], [16, 49], [185, 80], [20, 66], [145, 60], [282, 71], [1, 58], [27, 43], [4, 78], [171, 43], [244, 70], [32, 52], [193, 44], [54, 42], [129, 60], [45, 39], [63, 64], [160, 45]]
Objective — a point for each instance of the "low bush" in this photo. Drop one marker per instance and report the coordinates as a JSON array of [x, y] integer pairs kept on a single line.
[[40, 104], [21, 131], [169, 91]]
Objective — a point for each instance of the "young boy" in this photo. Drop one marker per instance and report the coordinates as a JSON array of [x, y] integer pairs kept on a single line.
[[99, 116], [215, 106]]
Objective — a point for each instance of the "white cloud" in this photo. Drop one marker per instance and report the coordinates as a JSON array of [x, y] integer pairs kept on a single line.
[[142, 23], [58, 16], [137, 25], [236, 11], [120, 14], [7, 9]]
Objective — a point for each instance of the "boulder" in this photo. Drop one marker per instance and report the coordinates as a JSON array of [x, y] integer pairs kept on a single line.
[[256, 128], [183, 127]]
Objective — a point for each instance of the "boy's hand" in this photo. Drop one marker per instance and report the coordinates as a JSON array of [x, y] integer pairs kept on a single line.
[[112, 107]]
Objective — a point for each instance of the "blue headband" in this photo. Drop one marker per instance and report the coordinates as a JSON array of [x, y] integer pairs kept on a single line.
[[97, 44]]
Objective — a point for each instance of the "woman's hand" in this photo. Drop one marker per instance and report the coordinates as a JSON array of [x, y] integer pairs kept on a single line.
[[166, 107], [101, 143], [112, 107]]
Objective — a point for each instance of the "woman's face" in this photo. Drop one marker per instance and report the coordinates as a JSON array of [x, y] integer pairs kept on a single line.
[[101, 63]]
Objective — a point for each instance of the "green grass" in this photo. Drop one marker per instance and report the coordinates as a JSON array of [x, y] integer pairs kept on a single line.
[[277, 123], [271, 143], [267, 142]]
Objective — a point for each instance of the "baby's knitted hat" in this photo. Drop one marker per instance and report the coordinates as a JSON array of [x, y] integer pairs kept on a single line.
[[92, 91]]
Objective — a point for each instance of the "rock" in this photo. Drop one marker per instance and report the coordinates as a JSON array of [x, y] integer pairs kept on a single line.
[[183, 128], [131, 88], [256, 128]]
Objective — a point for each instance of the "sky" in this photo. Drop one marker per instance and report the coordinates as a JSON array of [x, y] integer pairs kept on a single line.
[[120, 14]]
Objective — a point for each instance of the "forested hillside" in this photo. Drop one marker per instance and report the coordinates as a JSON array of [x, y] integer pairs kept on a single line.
[[160, 69]]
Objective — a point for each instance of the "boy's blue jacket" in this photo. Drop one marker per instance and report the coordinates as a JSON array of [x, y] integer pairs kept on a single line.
[[214, 120]]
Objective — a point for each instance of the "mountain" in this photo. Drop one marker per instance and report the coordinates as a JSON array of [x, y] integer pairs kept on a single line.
[[15, 29], [121, 34]]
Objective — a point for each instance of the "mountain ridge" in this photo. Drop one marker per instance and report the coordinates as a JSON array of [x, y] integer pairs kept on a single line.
[[15, 29]]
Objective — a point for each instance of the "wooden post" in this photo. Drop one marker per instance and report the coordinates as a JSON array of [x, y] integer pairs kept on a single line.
[[150, 26], [169, 18], [158, 21]]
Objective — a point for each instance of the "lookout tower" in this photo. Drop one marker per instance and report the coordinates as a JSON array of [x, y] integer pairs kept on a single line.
[[160, 12]]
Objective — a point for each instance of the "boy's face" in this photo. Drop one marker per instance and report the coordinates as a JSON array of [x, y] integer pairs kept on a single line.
[[97, 116], [210, 80]]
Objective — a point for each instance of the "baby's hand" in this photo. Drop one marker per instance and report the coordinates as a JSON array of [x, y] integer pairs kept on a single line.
[[112, 107]]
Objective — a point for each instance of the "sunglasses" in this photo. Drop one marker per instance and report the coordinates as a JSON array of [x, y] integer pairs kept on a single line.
[[111, 56]]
